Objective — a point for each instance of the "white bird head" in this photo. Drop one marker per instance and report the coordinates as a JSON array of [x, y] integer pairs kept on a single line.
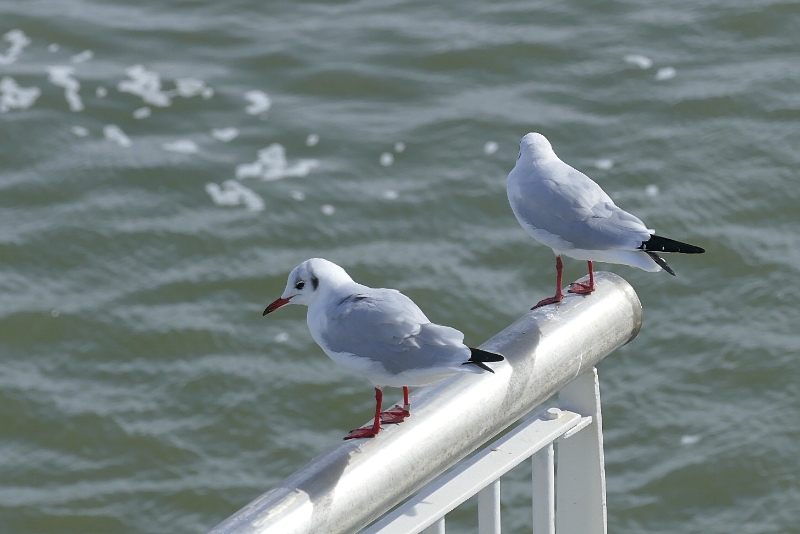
[[534, 147], [308, 280]]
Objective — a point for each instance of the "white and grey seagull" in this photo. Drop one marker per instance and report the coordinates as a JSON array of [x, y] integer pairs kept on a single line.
[[566, 210], [379, 334]]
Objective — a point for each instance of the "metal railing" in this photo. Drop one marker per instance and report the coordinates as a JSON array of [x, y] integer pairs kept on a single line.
[[581, 508], [355, 483]]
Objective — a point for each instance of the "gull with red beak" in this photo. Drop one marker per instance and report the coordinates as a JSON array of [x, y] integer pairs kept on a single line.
[[379, 334], [566, 210]]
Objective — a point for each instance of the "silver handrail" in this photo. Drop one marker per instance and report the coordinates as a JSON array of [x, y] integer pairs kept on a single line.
[[354, 483]]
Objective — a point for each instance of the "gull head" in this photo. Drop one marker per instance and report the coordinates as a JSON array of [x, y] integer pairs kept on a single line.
[[307, 281], [534, 147]]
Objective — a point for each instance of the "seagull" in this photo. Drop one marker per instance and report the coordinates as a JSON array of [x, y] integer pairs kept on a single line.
[[566, 210], [379, 334]]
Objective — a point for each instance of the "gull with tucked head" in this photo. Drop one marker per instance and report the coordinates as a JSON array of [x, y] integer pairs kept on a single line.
[[379, 334], [566, 210]]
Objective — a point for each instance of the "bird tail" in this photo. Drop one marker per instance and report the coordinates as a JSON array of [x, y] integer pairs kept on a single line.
[[478, 357], [664, 244]]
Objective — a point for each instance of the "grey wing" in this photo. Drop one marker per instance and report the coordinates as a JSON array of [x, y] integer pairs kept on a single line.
[[566, 203], [619, 230], [386, 326]]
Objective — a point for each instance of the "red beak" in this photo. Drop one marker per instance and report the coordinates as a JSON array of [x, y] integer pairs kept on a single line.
[[275, 305]]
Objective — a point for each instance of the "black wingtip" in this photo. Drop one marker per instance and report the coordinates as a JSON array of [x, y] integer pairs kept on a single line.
[[660, 261], [657, 243], [479, 356], [481, 365]]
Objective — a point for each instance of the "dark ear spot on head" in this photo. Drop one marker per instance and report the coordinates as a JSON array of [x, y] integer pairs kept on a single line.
[[315, 282]]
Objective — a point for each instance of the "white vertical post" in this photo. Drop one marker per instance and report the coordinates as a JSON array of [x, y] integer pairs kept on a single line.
[[544, 497], [436, 528], [489, 509], [581, 498]]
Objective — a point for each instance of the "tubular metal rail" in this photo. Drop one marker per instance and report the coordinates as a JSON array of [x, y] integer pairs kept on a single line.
[[352, 485]]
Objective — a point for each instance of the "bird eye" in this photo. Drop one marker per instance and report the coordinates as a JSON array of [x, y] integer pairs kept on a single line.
[[300, 285]]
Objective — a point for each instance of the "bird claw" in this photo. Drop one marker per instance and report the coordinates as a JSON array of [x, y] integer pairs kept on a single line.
[[363, 432], [580, 288], [395, 415]]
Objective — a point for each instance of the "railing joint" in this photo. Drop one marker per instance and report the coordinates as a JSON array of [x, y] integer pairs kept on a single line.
[[583, 423]]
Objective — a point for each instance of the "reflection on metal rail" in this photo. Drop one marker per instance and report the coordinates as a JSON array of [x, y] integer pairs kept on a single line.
[[549, 350]]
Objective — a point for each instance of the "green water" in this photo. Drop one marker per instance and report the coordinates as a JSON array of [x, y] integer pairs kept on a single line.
[[141, 391]]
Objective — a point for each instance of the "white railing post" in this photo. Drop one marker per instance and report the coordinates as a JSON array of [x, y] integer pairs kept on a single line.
[[489, 509], [436, 528], [544, 496], [581, 497]]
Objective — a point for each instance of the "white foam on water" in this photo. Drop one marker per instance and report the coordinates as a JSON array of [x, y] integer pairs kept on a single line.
[[666, 73], [387, 159], [80, 131], [638, 60], [651, 190], [281, 337], [142, 113], [312, 140], [182, 146], [272, 165], [18, 41], [82, 57], [689, 440], [114, 133], [390, 194], [490, 148], [145, 84], [62, 76], [276, 165], [260, 102], [100, 92], [189, 87], [299, 169], [12, 96], [297, 195], [399, 147], [273, 157], [232, 193], [53, 47], [226, 135], [327, 209], [223, 197], [249, 170], [604, 164]]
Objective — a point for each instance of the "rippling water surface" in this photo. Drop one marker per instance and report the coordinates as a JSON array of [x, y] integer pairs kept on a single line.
[[164, 165]]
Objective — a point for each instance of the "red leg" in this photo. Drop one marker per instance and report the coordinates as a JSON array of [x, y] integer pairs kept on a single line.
[[370, 431], [582, 288], [559, 296], [398, 413]]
